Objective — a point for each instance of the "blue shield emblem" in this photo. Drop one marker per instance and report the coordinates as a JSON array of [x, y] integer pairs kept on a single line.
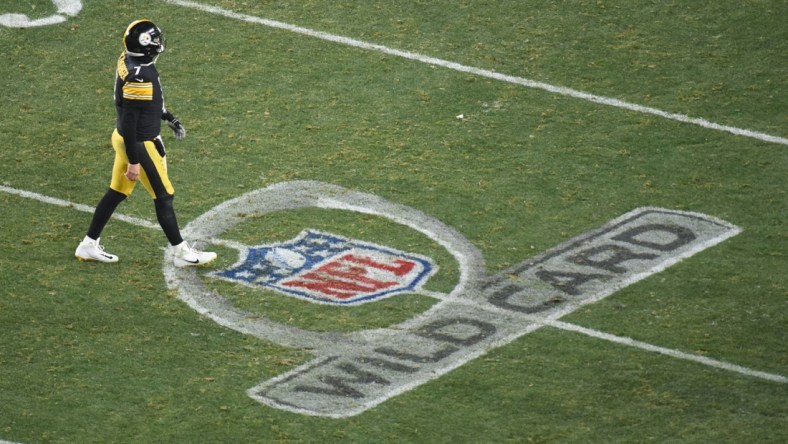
[[331, 269]]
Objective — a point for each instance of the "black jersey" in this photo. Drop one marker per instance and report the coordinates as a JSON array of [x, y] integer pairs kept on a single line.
[[139, 102]]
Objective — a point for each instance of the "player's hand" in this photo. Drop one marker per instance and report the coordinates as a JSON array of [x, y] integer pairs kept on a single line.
[[177, 128], [132, 171]]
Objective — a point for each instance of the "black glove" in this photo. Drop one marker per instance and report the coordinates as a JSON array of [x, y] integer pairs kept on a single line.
[[177, 127]]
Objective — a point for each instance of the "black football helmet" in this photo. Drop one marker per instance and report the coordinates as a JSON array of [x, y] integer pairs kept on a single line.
[[143, 38]]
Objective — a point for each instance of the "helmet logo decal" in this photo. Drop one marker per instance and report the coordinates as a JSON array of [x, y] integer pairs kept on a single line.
[[145, 38]]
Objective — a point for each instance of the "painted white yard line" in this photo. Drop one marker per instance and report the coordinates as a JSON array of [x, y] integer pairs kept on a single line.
[[79, 207], [569, 92], [441, 296], [667, 351], [615, 339]]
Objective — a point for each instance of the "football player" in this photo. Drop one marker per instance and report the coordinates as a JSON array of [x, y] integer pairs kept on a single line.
[[139, 150]]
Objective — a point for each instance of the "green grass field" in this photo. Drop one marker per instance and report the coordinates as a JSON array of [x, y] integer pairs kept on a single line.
[[517, 125]]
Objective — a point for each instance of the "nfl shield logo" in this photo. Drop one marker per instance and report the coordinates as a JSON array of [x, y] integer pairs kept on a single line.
[[331, 269]]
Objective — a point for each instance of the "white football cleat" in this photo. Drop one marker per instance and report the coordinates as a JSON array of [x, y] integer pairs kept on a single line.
[[91, 250], [186, 256]]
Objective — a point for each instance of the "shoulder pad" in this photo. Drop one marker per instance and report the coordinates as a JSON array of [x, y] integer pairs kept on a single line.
[[131, 70], [123, 70]]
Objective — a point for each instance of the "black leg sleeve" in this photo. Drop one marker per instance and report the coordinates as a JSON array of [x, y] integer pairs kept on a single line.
[[104, 210], [165, 213]]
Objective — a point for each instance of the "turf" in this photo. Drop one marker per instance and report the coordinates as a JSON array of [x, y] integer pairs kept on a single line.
[[95, 353]]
